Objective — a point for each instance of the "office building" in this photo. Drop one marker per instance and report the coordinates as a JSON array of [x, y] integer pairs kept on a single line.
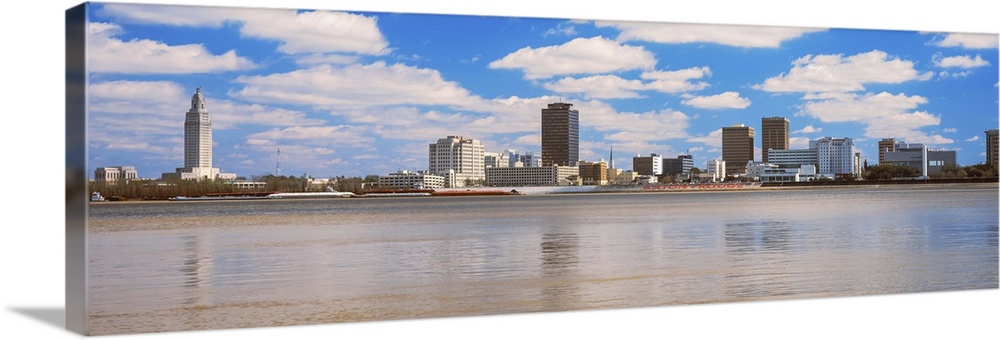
[[680, 166], [651, 165], [458, 159], [404, 179], [594, 173], [885, 145], [560, 135], [531, 176], [198, 144], [717, 168], [991, 146], [737, 148], [773, 135], [113, 174], [918, 156], [834, 155]]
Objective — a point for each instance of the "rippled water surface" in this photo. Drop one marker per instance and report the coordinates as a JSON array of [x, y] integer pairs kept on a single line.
[[201, 265]]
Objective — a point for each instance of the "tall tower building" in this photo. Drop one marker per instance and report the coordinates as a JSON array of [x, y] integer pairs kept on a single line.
[[992, 140], [773, 135], [885, 145], [737, 148], [198, 144], [560, 135], [197, 134], [457, 159]]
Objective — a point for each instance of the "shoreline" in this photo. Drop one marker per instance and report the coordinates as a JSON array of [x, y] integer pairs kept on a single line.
[[636, 189]]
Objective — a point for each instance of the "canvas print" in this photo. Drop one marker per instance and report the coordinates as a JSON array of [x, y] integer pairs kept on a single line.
[[252, 167]]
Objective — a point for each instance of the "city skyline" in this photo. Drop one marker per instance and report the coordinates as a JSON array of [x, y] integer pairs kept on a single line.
[[357, 104]]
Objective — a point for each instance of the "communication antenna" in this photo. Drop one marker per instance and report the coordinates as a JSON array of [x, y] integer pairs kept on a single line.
[[277, 164]]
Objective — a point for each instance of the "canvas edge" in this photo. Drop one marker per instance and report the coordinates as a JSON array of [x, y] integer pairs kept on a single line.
[[76, 174]]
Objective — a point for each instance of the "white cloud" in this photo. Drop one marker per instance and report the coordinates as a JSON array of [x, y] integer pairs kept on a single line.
[[600, 86], [950, 130], [713, 139], [883, 114], [677, 81], [967, 40], [798, 142], [972, 139], [732, 35], [963, 61], [836, 73], [578, 56], [809, 129], [725, 100], [563, 28], [356, 87], [297, 32], [611, 86], [110, 55]]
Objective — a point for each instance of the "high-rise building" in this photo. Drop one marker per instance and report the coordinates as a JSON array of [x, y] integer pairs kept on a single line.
[[678, 166], [737, 148], [992, 140], [885, 145], [773, 135], [458, 160], [834, 155], [560, 135], [198, 144]]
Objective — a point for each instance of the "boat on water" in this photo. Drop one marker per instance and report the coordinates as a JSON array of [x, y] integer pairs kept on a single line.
[[96, 197]]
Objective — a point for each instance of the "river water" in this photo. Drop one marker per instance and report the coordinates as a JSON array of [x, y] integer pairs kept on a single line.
[[172, 266]]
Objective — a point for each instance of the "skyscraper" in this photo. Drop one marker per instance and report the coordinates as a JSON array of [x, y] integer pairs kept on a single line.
[[560, 135], [198, 144], [773, 135], [737, 148], [992, 139]]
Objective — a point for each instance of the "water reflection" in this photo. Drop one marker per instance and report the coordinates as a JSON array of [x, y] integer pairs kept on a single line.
[[560, 260], [196, 270], [758, 259]]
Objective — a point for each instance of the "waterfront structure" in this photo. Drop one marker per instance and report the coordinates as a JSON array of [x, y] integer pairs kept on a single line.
[[769, 172], [112, 174], [405, 179], [560, 135], [737, 148], [594, 173], [198, 145], [835, 156], [992, 143], [717, 168], [458, 160], [773, 135], [885, 145], [531, 176], [651, 165]]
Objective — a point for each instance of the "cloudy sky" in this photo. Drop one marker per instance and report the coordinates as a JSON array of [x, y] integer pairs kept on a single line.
[[357, 93]]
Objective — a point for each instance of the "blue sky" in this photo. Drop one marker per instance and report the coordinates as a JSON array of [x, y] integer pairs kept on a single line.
[[357, 93]]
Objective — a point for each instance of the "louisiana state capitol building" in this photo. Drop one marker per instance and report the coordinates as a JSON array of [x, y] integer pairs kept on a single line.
[[198, 144]]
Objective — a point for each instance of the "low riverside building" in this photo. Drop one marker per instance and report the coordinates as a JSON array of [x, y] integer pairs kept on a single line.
[[112, 174], [650, 166], [717, 168], [918, 156], [532, 176], [411, 180], [594, 173]]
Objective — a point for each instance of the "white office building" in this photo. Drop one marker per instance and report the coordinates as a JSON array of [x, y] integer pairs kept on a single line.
[[458, 159], [835, 156], [531, 176], [717, 168], [113, 174], [411, 180]]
